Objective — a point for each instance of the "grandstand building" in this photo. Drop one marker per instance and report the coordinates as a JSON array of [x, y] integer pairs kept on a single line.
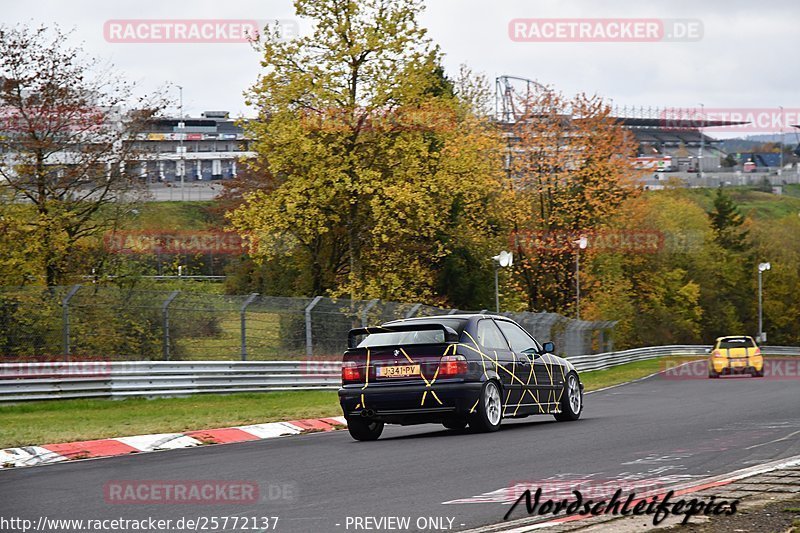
[[202, 148], [669, 139], [679, 143]]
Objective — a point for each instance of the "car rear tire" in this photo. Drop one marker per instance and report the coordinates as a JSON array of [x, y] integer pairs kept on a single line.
[[712, 374], [489, 412], [571, 400], [758, 373], [364, 428], [457, 424]]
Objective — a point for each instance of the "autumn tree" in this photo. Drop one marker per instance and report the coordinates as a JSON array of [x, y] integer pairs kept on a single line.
[[63, 136], [20, 242], [375, 162], [728, 222], [570, 174], [655, 293], [777, 241]]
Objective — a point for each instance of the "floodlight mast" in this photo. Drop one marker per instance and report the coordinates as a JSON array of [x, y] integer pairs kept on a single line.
[[182, 127], [512, 96], [702, 142], [780, 168]]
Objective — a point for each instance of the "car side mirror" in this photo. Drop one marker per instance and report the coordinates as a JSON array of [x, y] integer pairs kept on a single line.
[[548, 347]]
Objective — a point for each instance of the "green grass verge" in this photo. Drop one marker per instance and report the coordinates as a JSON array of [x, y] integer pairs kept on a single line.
[[599, 379], [759, 204], [56, 421]]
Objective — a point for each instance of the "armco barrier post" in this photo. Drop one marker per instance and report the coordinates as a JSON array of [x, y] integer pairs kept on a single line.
[[309, 339], [65, 318], [165, 318], [242, 312]]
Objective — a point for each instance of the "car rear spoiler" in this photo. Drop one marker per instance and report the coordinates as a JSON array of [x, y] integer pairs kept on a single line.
[[450, 335]]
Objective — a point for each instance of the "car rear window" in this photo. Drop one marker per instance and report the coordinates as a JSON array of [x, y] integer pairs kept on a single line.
[[398, 338], [737, 343]]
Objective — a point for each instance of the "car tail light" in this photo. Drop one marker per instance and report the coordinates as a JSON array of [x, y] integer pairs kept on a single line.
[[717, 353], [452, 365], [756, 352], [350, 372]]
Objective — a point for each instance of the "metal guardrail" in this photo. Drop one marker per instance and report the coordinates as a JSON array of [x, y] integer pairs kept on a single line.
[[601, 361], [65, 380], [587, 363], [788, 351]]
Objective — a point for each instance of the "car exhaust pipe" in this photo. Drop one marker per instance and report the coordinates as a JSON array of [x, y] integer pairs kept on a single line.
[[367, 413]]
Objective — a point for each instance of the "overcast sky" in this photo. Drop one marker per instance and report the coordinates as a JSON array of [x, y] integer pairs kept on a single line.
[[747, 56]]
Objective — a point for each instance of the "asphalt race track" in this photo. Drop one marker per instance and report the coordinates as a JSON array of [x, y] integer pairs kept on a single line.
[[659, 429]]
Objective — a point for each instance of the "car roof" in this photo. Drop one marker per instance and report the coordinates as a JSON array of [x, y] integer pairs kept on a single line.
[[461, 316], [729, 337]]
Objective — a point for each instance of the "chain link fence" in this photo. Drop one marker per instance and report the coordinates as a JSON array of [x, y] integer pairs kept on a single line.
[[110, 323]]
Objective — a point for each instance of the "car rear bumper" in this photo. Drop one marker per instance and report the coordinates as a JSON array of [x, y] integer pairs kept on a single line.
[[726, 366], [729, 371], [410, 404]]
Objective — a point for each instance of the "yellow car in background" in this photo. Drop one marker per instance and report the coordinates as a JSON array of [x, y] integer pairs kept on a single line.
[[735, 355]]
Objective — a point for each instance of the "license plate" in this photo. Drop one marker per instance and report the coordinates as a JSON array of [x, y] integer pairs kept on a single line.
[[398, 371]]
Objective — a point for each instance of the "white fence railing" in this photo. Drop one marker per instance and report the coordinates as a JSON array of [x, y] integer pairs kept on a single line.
[[64, 380]]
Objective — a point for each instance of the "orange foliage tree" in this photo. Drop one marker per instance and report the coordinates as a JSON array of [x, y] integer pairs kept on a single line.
[[570, 174]]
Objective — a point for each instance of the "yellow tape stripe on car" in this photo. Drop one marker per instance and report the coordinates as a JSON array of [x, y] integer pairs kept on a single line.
[[367, 372]]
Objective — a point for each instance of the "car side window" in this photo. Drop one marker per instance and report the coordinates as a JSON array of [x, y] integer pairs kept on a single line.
[[519, 340], [490, 337]]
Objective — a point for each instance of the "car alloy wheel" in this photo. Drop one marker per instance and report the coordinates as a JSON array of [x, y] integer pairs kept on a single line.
[[571, 399], [574, 391], [489, 411], [493, 403]]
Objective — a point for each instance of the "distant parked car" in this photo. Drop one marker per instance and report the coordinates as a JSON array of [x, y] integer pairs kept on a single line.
[[735, 355], [452, 370]]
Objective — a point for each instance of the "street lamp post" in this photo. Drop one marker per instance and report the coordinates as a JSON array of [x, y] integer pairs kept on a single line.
[[580, 244], [503, 259], [761, 268], [181, 164], [497, 288], [780, 169], [702, 142], [181, 126]]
